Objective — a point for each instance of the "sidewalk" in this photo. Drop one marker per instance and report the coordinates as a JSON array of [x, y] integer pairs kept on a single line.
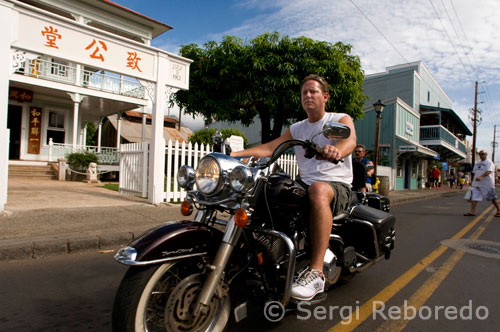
[[47, 217]]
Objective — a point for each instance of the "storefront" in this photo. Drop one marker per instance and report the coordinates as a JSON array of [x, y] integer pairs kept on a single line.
[[65, 65]]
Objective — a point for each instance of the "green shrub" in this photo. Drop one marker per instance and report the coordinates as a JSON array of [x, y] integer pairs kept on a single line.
[[204, 136], [80, 161]]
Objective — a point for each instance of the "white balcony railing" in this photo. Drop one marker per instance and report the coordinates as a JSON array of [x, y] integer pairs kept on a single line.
[[59, 72], [105, 155]]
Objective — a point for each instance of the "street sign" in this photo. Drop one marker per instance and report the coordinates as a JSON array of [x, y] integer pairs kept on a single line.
[[404, 148], [235, 142]]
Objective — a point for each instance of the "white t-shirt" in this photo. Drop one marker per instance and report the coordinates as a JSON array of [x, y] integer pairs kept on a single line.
[[313, 170], [480, 168]]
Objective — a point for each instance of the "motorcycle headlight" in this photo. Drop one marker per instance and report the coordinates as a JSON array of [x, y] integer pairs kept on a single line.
[[208, 176], [241, 179], [185, 177]]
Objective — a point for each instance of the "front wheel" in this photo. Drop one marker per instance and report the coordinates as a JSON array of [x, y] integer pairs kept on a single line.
[[161, 298]]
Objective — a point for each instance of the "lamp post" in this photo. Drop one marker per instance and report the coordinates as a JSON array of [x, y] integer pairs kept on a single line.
[[379, 107]]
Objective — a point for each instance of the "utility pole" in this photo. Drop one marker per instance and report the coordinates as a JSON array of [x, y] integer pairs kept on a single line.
[[494, 144], [473, 156]]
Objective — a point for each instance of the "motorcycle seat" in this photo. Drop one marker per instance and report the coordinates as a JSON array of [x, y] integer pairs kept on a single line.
[[341, 216]]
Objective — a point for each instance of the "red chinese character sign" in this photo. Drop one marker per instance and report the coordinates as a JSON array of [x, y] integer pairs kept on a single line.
[[133, 61], [35, 132], [20, 95], [82, 45], [51, 34], [98, 47]]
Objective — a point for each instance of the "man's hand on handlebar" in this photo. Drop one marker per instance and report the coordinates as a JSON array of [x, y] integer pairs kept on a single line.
[[330, 153]]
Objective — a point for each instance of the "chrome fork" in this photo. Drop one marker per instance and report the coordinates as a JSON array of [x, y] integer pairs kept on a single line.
[[231, 236]]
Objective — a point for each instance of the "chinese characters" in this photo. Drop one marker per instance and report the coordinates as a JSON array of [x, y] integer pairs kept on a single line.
[[96, 48], [20, 95], [51, 35], [133, 61], [96, 54], [34, 130]]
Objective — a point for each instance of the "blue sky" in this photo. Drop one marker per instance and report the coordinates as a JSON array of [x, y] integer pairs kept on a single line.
[[456, 39]]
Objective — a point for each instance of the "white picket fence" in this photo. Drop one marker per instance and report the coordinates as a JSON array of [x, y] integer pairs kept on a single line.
[[134, 167], [176, 155]]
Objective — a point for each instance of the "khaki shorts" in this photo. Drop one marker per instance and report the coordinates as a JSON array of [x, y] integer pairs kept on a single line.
[[342, 198], [342, 195]]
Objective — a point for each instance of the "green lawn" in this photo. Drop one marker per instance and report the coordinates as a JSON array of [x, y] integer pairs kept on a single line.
[[111, 186]]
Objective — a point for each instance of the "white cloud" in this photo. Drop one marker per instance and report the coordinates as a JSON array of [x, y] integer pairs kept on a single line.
[[414, 30]]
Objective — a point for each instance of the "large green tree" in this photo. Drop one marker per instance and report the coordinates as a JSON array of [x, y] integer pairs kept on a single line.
[[234, 81]]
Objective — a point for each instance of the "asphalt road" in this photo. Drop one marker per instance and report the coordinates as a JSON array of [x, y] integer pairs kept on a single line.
[[449, 289]]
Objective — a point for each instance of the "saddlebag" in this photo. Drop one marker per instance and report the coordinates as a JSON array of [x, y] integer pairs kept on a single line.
[[378, 201], [382, 222]]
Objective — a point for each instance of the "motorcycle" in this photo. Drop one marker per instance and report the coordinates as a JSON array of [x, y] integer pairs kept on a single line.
[[248, 239]]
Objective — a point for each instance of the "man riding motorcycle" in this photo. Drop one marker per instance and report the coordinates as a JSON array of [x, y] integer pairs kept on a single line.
[[328, 180]]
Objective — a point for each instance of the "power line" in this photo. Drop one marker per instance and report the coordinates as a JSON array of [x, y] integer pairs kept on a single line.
[[458, 37], [373, 24], [480, 72], [449, 39]]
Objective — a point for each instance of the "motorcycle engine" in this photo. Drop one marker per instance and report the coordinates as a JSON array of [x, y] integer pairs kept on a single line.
[[271, 245]]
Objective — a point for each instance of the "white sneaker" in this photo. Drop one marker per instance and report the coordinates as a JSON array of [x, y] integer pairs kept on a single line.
[[308, 284]]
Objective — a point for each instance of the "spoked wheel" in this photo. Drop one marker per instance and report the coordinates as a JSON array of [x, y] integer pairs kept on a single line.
[[161, 298]]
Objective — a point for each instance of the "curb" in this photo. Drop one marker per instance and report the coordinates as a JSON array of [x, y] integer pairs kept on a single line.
[[46, 247], [40, 247], [404, 200]]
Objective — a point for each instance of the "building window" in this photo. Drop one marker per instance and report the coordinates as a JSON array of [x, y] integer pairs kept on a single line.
[[55, 127], [414, 170], [428, 96], [399, 170], [59, 68]]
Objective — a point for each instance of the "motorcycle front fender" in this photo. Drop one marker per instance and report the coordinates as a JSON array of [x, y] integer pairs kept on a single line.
[[174, 240]]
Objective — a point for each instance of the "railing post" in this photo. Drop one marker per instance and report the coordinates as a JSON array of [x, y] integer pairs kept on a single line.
[[51, 143], [78, 75], [145, 159], [61, 169], [168, 160]]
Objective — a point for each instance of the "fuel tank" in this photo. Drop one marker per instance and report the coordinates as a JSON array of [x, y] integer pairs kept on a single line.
[[285, 193]]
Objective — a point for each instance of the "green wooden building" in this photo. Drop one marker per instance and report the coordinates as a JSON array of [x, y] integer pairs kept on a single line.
[[418, 124]]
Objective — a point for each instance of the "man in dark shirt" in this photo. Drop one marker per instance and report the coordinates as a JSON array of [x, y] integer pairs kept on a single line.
[[359, 156]]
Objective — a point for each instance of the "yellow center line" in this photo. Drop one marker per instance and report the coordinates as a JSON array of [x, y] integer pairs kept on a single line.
[[362, 313], [425, 291]]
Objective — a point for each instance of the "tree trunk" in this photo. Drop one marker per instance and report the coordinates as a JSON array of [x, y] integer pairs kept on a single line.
[[265, 120], [278, 122]]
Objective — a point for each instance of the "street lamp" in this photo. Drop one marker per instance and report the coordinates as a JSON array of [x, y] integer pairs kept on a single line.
[[379, 107]]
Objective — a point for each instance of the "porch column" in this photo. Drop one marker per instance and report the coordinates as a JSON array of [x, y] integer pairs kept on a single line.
[[99, 132], [118, 130], [143, 133], [7, 25], [77, 99], [156, 179], [84, 136]]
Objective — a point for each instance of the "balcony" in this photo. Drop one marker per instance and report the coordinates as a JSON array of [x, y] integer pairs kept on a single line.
[[443, 141], [58, 71]]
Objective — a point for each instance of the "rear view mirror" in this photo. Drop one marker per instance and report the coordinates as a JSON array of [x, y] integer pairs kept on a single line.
[[336, 130]]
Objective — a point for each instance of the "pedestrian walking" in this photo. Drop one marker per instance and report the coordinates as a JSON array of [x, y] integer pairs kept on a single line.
[[435, 177], [452, 179], [461, 180], [483, 185]]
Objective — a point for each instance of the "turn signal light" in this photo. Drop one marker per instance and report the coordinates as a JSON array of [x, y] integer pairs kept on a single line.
[[240, 218], [260, 258], [186, 208]]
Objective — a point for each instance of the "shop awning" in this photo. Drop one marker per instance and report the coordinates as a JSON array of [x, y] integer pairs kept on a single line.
[[404, 146]]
